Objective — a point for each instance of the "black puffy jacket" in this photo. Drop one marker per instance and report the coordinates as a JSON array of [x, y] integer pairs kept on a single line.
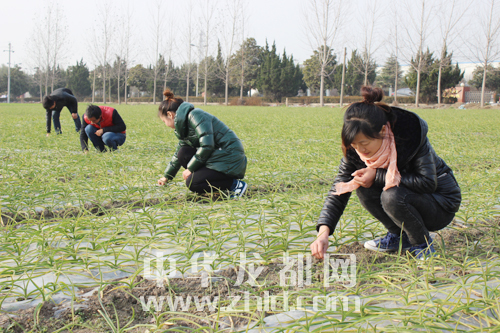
[[422, 170]]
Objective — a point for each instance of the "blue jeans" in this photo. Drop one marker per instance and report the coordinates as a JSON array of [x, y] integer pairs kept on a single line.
[[57, 124], [110, 139]]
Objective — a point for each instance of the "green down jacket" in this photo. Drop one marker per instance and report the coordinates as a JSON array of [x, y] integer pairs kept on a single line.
[[218, 148]]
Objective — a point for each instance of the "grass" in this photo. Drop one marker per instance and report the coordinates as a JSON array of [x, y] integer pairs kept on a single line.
[[72, 220]]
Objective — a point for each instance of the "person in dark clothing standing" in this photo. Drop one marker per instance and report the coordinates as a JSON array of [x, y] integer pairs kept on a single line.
[[211, 154], [398, 178], [103, 126], [54, 103]]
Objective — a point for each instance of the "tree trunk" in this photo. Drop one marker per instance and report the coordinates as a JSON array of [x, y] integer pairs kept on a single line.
[[483, 87], [395, 102], [187, 86], [343, 79], [47, 81], [125, 88], [104, 87], [118, 85], [154, 84], [93, 87], [439, 83], [417, 93], [322, 85], [205, 85], [227, 84]]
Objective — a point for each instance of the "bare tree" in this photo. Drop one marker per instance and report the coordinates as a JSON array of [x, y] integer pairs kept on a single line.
[[36, 62], [369, 24], [324, 19], [60, 37], [244, 53], [100, 42], [93, 85], [451, 14], [418, 19], [168, 52], [393, 46], [188, 41], [207, 19], [484, 47], [229, 35], [123, 51], [157, 25], [48, 43]]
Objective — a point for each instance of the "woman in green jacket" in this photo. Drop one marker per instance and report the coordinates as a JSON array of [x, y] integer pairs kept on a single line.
[[211, 154]]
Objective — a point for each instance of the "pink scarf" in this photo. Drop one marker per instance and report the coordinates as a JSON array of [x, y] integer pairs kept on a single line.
[[384, 158]]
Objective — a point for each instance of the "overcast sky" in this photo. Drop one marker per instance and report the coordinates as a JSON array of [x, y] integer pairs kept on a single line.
[[279, 22], [275, 20]]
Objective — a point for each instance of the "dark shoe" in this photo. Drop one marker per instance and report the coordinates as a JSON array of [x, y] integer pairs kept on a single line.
[[238, 189], [389, 243], [423, 251], [58, 131]]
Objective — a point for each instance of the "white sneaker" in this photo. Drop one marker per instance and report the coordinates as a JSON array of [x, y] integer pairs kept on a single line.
[[239, 189]]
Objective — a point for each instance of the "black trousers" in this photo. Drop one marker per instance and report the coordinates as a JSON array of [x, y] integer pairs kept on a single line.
[[203, 180], [399, 207]]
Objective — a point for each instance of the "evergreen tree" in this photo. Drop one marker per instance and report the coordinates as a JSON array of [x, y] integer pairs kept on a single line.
[[216, 86], [450, 76], [264, 77], [387, 76], [138, 77], [354, 75], [19, 81], [78, 79], [357, 69], [312, 70], [172, 81], [492, 78], [278, 77], [246, 64]]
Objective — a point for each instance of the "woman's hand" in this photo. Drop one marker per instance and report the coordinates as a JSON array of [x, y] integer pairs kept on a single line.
[[320, 245], [162, 181], [364, 177], [186, 174]]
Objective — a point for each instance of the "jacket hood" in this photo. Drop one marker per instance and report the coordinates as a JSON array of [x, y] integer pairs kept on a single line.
[[181, 119], [410, 133]]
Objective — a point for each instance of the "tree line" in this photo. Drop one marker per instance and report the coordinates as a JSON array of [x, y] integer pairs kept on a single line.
[[218, 60], [274, 75]]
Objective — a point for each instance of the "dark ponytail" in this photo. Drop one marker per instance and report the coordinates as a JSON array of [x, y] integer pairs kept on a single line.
[[366, 117], [171, 103]]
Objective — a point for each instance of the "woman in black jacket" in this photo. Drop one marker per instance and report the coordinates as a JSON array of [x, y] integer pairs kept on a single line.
[[397, 175]]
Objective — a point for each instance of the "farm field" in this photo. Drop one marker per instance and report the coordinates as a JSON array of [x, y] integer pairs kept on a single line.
[[83, 236]]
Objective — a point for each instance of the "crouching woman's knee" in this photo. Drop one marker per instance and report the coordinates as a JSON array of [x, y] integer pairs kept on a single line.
[[393, 199]]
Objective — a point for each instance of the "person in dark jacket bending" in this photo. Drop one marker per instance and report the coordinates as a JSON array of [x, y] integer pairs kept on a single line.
[[397, 175], [212, 155], [54, 103], [103, 126]]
